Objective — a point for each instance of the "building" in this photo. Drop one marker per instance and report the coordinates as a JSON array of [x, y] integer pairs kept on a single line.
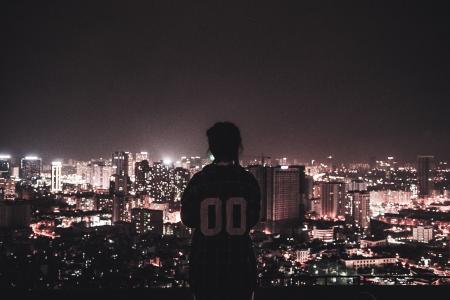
[[56, 177], [120, 163], [357, 185], [147, 220], [7, 189], [121, 209], [325, 234], [303, 255], [141, 172], [360, 208], [160, 182], [333, 200], [369, 262], [425, 171], [100, 174], [5, 166], [181, 178], [118, 184], [423, 234], [281, 191], [138, 157], [30, 167]]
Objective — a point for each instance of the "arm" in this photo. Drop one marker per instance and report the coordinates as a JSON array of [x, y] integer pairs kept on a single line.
[[190, 209]]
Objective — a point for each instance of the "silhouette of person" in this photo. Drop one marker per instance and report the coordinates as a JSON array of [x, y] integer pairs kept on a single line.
[[222, 203]]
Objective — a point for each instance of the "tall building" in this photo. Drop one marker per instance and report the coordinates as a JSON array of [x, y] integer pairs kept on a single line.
[[360, 208], [141, 173], [5, 166], [130, 164], [56, 177], [333, 201], [118, 184], [120, 163], [281, 191], [423, 234], [181, 178], [425, 171], [121, 209], [140, 156], [100, 174], [30, 167], [160, 182], [7, 189], [147, 220]]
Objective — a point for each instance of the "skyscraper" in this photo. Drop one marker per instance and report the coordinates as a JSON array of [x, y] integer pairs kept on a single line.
[[141, 172], [120, 163], [333, 202], [281, 190], [360, 207], [140, 156], [425, 170], [56, 177], [5, 166], [30, 167]]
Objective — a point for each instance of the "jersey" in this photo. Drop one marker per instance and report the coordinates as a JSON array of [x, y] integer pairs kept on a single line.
[[222, 204]]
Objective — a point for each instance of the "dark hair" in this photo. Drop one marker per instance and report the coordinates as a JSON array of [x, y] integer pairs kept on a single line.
[[225, 142]]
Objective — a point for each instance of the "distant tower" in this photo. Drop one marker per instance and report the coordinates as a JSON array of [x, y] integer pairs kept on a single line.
[[141, 171], [332, 195], [360, 204], [141, 156], [5, 166], [56, 176], [425, 170], [120, 163], [281, 190], [30, 167]]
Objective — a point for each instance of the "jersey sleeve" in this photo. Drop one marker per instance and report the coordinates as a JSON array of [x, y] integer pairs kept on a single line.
[[190, 204]]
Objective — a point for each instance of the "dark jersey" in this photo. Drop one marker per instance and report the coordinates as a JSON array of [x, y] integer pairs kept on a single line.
[[222, 203]]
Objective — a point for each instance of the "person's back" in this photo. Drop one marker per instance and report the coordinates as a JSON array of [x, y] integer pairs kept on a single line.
[[222, 203]]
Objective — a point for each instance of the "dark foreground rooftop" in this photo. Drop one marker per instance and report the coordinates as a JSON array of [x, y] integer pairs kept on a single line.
[[278, 293]]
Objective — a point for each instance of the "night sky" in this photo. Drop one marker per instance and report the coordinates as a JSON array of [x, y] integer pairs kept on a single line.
[[81, 79]]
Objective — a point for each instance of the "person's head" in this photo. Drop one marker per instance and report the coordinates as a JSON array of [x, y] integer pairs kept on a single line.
[[224, 140]]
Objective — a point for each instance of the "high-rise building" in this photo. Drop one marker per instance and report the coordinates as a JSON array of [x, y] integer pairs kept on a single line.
[[120, 163], [281, 191], [160, 182], [118, 184], [425, 171], [5, 166], [141, 173], [121, 209], [30, 167], [100, 174], [141, 156], [357, 185], [56, 177], [181, 178], [423, 234], [7, 189], [333, 201], [147, 220], [360, 208]]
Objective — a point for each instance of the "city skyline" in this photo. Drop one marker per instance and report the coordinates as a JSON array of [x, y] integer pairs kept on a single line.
[[303, 80]]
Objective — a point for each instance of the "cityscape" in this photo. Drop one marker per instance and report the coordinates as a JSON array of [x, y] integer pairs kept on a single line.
[[135, 134], [115, 221]]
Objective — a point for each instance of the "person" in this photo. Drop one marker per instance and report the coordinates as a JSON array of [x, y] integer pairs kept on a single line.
[[222, 204]]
